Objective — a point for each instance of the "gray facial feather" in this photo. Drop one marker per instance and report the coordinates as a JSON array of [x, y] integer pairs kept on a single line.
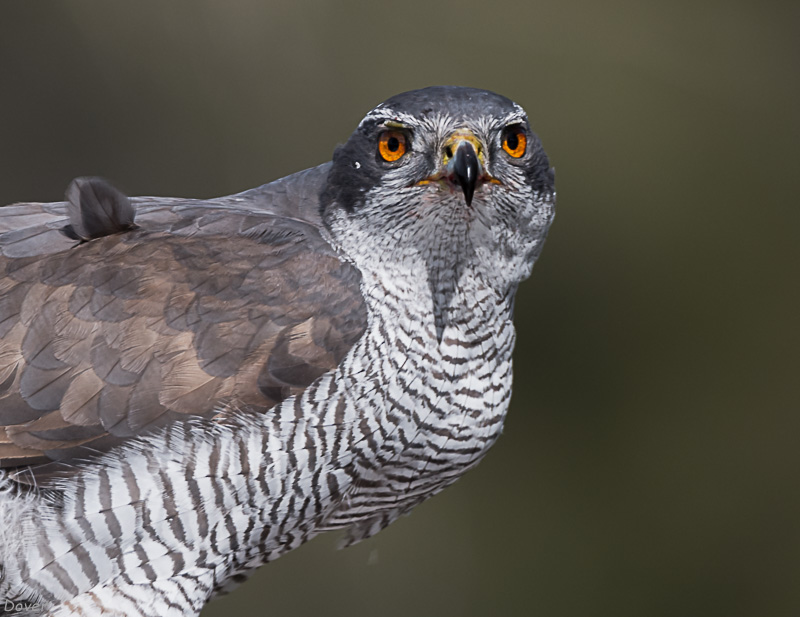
[[426, 226]]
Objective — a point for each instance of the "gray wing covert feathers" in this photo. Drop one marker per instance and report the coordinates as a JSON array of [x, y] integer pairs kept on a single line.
[[109, 329]]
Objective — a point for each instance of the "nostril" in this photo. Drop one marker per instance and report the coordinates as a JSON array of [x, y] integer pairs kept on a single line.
[[448, 152]]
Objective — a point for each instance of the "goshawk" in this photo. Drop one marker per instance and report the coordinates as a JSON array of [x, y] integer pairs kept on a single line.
[[191, 388]]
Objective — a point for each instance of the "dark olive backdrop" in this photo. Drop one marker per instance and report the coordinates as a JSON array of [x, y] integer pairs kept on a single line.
[[649, 465]]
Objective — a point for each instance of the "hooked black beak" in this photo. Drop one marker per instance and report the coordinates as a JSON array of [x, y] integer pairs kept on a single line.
[[466, 169], [461, 166]]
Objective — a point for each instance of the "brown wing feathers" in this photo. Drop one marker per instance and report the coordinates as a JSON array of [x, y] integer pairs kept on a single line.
[[198, 309]]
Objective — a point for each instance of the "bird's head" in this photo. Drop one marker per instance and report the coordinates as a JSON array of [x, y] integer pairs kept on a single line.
[[448, 178]]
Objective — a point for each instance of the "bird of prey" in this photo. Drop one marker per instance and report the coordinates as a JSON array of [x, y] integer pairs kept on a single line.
[[191, 388]]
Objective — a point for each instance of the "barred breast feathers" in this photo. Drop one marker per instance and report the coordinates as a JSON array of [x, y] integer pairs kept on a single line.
[[18, 508]]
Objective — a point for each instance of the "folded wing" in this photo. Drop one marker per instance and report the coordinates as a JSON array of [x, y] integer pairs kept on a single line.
[[110, 328]]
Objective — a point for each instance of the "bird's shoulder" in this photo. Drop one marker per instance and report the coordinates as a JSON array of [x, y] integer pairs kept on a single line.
[[112, 325]]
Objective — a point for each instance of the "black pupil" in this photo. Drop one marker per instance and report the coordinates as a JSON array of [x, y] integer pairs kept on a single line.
[[393, 144], [513, 141]]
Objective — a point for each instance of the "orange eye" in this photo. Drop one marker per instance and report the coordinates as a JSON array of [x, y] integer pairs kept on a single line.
[[391, 145], [515, 141]]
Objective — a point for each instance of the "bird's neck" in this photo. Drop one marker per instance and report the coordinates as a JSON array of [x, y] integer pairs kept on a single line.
[[432, 286], [437, 301]]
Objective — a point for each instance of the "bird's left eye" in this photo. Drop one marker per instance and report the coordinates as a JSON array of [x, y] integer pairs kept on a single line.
[[515, 141], [392, 145]]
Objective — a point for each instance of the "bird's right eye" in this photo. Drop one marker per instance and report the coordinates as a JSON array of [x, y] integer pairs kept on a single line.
[[392, 145]]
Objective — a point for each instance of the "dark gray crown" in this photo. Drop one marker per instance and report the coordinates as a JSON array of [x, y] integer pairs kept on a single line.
[[457, 100]]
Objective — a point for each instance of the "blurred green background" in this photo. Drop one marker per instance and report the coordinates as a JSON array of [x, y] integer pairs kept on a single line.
[[650, 461]]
